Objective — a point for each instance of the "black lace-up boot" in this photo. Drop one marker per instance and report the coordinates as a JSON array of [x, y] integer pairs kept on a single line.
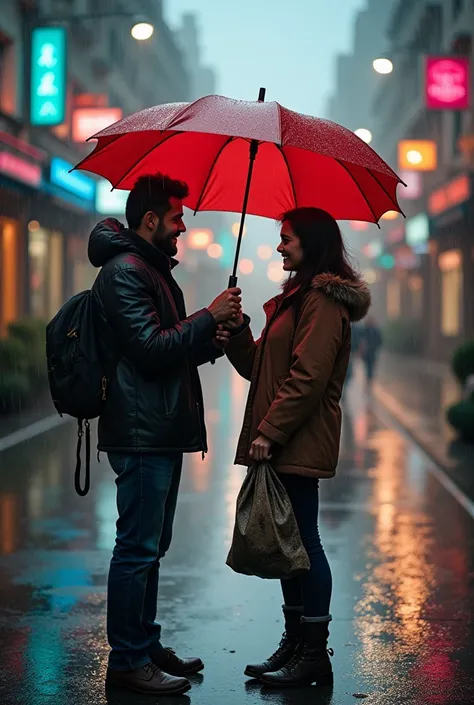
[[310, 663], [287, 647]]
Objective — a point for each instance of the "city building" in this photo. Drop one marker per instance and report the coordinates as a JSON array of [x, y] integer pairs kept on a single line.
[[202, 77], [85, 71], [355, 85], [428, 284]]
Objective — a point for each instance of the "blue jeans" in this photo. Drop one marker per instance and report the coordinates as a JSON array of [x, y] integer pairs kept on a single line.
[[312, 592], [147, 493]]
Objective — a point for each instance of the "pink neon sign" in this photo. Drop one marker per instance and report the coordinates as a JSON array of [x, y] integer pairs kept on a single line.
[[447, 83], [20, 169]]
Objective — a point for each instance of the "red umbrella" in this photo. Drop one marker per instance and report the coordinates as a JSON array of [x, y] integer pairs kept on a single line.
[[295, 160]]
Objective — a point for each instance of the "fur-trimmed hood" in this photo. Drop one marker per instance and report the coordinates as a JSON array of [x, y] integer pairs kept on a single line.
[[354, 295]]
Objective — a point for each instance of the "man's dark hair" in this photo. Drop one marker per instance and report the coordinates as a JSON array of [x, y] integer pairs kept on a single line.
[[152, 193]]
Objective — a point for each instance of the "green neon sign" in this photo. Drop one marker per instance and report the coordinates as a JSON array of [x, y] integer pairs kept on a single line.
[[48, 75]]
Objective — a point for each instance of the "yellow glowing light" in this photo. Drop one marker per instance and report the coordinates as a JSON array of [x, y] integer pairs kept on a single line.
[[275, 271], [264, 251], [390, 215], [370, 276], [33, 226], [199, 239], [417, 155], [414, 156], [364, 134], [215, 250], [142, 31], [236, 228], [383, 66], [246, 266]]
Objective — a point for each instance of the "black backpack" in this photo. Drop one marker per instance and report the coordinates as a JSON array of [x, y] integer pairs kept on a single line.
[[78, 374]]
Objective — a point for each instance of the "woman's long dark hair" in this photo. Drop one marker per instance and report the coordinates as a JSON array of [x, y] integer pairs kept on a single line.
[[322, 244]]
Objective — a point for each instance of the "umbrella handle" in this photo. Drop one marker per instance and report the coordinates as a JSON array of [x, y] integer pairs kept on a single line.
[[232, 281]]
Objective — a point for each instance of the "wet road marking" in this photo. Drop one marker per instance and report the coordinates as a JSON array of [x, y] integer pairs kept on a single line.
[[389, 417], [34, 429]]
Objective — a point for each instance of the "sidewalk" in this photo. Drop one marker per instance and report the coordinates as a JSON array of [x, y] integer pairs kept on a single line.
[[42, 408], [416, 393]]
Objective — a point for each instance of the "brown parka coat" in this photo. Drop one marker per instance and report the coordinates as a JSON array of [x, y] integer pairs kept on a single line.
[[297, 370]]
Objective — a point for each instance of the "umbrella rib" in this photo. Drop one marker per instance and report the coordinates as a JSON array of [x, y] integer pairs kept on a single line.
[[280, 148], [203, 190], [341, 163], [143, 156], [386, 192]]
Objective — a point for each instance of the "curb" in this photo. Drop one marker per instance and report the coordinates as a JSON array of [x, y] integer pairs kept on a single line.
[[34, 429], [438, 462]]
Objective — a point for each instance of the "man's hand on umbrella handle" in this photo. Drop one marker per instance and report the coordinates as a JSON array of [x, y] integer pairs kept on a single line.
[[227, 305]]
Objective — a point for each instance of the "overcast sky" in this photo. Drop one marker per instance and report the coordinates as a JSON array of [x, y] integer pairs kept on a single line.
[[287, 46]]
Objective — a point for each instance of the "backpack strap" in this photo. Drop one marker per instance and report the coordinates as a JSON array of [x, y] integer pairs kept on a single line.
[[82, 491]]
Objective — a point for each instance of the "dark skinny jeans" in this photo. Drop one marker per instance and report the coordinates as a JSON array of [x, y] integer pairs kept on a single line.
[[312, 592]]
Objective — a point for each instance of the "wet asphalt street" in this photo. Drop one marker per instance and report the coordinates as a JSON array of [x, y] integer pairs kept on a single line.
[[400, 547]]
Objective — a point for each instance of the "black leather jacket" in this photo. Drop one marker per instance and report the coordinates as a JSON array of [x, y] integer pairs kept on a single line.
[[154, 399]]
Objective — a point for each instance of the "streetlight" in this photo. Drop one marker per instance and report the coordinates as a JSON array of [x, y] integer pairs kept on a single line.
[[141, 30], [383, 66], [364, 134]]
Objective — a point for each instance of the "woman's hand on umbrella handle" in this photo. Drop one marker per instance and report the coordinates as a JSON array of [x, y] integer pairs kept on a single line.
[[260, 449], [221, 341], [236, 322]]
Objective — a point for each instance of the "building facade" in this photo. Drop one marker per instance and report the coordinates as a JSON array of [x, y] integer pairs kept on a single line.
[[46, 212], [429, 284], [356, 85]]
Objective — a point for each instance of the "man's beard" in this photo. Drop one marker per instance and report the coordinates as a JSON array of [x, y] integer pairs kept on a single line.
[[163, 241]]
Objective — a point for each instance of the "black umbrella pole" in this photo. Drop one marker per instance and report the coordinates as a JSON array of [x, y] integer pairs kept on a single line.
[[253, 154]]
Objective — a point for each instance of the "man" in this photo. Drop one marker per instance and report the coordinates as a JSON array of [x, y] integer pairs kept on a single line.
[[152, 415]]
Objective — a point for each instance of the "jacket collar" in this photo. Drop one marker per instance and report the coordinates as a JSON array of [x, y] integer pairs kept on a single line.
[[152, 254], [353, 294]]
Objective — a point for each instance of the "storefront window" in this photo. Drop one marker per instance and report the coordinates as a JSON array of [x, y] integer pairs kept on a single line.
[[393, 298], [415, 284], [9, 273], [55, 274], [450, 264], [45, 251]]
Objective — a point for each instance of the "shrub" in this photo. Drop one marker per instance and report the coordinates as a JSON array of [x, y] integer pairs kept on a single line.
[[13, 357], [463, 362], [402, 336], [14, 391], [31, 332], [461, 418]]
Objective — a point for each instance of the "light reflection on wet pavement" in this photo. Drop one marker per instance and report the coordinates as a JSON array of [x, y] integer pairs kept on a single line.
[[400, 548]]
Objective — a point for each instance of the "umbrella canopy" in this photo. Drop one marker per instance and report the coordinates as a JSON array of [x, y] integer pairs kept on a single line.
[[301, 160]]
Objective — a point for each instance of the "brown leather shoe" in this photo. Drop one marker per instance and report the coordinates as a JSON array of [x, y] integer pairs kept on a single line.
[[169, 661], [149, 679]]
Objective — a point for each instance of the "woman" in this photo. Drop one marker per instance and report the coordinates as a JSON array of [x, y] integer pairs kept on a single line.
[[297, 372]]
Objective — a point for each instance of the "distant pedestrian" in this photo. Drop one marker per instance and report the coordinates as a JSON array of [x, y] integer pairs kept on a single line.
[[357, 333], [296, 372], [370, 347]]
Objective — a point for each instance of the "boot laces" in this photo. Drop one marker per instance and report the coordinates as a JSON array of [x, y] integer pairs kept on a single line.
[[299, 656], [296, 659], [281, 646]]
